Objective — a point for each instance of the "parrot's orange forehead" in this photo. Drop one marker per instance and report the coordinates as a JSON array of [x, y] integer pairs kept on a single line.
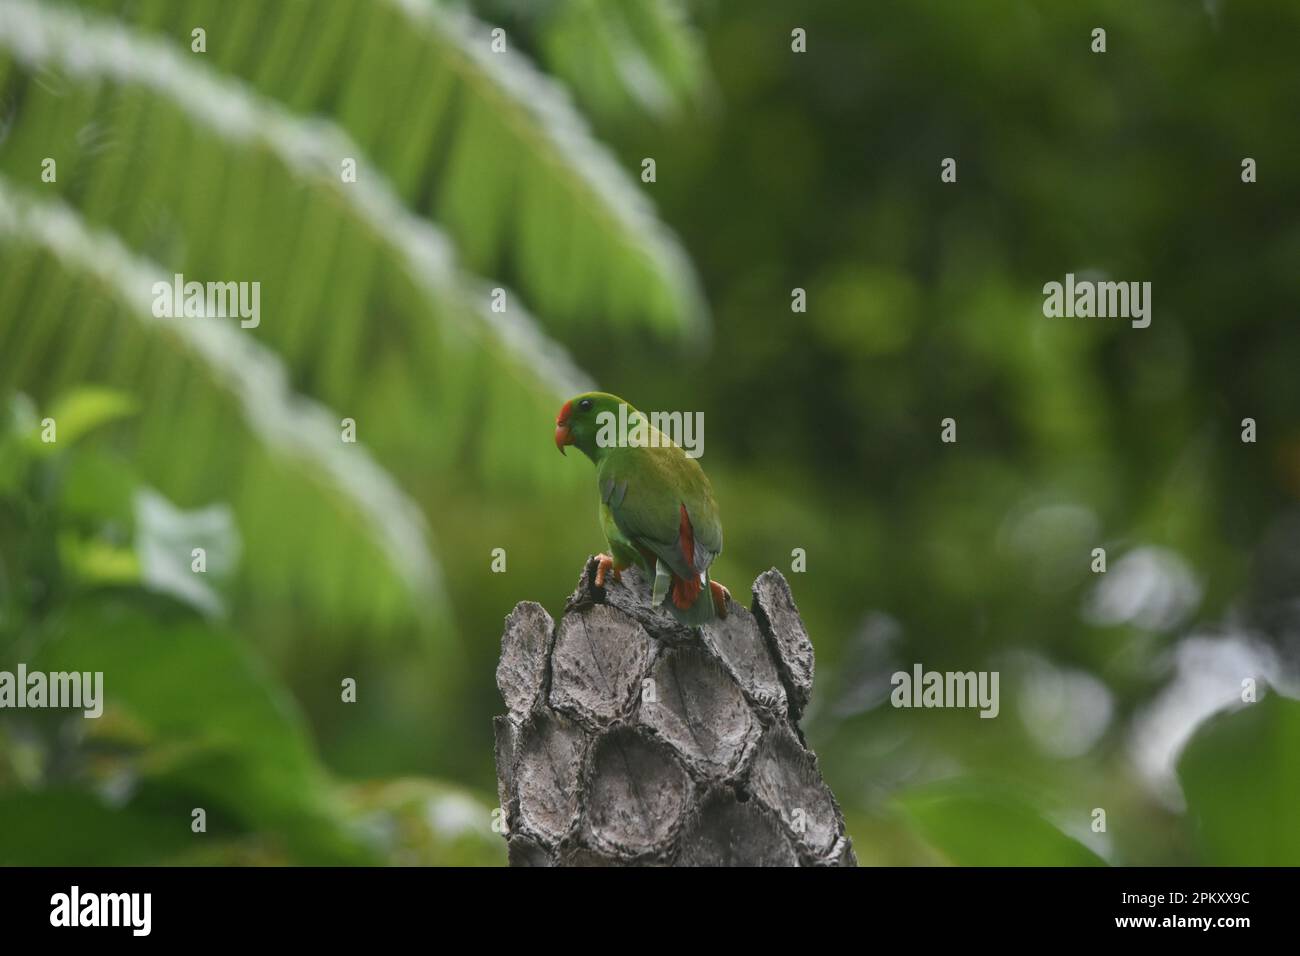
[[563, 417]]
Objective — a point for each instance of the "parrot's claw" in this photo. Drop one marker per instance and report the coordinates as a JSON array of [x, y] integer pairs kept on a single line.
[[604, 565], [720, 598]]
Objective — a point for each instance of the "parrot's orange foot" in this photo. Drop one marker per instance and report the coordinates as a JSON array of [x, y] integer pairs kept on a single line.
[[604, 565], [720, 598]]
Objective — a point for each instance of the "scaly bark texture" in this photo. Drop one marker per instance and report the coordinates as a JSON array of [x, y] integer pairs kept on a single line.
[[633, 740]]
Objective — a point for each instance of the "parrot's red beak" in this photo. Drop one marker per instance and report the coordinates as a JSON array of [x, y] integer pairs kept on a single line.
[[563, 436]]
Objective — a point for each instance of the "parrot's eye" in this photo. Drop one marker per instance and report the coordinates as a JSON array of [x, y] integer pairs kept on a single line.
[[584, 405]]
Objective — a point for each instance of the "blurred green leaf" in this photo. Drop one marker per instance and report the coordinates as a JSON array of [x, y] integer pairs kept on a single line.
[[96, 562], [80, 411], [481, 141], [625, 58], [198, 716], [976, 826], [276, 454], [1241, 776], [65, 826]]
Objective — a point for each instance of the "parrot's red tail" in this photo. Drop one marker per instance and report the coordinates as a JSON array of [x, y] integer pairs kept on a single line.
[[686, 591]]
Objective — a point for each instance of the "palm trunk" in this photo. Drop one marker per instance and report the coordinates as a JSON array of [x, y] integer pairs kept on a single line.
[[633, 740]]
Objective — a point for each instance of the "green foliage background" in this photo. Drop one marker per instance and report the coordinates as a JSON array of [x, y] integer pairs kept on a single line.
[[521, 171]]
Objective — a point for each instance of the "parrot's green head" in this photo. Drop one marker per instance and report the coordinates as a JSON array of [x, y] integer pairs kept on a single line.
[[578, 422]]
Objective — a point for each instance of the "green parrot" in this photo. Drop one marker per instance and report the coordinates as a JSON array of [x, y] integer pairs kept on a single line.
[[656, 508]]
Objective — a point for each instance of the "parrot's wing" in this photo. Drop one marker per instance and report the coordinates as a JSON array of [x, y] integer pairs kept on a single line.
[[662, 501]]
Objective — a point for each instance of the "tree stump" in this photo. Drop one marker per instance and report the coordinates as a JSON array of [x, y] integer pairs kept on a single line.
[[634, 740]]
